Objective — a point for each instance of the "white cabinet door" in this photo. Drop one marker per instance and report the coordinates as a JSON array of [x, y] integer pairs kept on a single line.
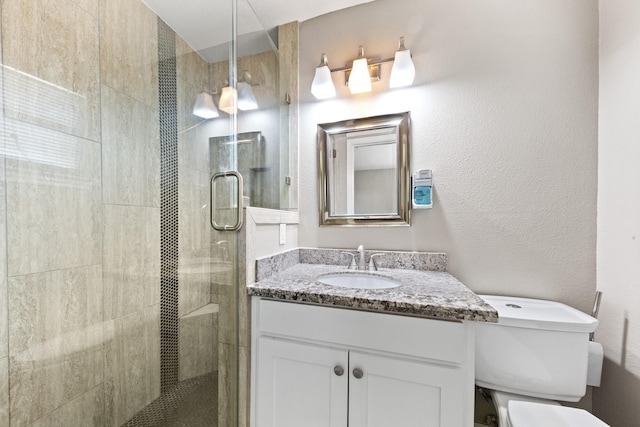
[[297, 385], [399, 392]]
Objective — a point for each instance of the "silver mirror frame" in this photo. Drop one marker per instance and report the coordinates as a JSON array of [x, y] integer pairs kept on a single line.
[[402, 123]]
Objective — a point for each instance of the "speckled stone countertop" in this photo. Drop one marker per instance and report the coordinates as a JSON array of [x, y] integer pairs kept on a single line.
[[433, 294]]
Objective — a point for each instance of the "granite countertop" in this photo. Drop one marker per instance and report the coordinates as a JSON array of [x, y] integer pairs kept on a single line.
[[432, 294]]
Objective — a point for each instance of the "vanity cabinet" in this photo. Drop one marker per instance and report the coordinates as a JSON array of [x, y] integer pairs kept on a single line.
[[321, 366], [297, 385]]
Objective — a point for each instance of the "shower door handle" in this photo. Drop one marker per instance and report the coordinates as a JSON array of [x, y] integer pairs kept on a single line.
[[238, 200]]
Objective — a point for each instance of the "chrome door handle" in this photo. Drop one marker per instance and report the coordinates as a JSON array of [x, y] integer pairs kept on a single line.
[[239, 192]]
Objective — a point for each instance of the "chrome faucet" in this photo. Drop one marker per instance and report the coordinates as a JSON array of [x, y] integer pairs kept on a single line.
[[361, 264]]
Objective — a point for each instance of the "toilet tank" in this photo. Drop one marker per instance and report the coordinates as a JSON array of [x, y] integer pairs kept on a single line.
[[538, 348]]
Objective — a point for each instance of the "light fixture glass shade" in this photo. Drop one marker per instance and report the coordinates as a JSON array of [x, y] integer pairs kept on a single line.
[[246, 99], [360, 79], [229, 100], [403, 71], [322, 86], [204, 106]]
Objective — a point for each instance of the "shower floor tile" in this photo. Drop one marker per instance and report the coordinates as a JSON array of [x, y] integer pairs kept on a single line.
[[190, 403]]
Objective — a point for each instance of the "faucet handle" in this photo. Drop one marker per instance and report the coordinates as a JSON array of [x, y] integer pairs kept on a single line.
[[352, 264], [372, 263]]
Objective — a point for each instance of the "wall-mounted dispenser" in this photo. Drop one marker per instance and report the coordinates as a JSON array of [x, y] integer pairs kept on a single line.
[[421, 189]]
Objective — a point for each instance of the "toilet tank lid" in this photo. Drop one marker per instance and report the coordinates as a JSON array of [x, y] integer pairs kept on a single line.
[[540, 314]]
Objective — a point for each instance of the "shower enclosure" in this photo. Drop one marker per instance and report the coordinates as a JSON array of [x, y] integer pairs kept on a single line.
[[119, 303]]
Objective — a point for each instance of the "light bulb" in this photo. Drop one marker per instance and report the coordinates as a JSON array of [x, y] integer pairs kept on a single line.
[[359, 79]]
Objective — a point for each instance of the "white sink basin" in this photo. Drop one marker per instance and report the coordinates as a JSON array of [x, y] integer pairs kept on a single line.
[[357, 281]]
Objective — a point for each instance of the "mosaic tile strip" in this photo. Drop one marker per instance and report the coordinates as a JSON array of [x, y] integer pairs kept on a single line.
[[168, 106]]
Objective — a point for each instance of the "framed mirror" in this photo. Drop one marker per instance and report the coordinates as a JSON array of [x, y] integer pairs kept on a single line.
[[363, 171]]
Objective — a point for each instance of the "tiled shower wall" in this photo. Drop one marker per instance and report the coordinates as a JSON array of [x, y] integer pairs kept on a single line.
[[79, 279], [193, 180]]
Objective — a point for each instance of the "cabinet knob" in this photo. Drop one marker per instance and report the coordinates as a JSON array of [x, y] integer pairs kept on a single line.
[[338, 370], [358, 373]]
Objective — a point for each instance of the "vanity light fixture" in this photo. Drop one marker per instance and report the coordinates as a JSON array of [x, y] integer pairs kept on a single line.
[[232, 99], [360, 74], [204, 106]]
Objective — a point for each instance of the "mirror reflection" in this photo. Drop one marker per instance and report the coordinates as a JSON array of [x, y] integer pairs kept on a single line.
[[360, 160], [364, 171]]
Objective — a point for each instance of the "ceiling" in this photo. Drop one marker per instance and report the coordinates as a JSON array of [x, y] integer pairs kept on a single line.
[[206, 24]]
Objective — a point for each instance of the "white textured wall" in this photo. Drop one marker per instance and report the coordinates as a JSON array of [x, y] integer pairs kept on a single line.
[[619, 212], [504, 110]]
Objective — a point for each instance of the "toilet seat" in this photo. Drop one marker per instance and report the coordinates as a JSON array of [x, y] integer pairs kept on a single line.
[[531, 414], [501, 400]]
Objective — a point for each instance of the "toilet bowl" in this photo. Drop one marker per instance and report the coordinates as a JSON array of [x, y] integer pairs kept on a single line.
[[538, 352]]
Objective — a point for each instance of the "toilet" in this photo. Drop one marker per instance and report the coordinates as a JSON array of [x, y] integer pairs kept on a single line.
[[537, 354]]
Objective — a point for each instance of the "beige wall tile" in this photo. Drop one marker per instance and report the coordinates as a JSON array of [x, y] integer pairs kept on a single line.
[[4, 391], [263, 68], [56, 339], [51, 49], [218, 75], [228, 299], [4, 320], [244, 386], [85, 410], [132, 364], [259, 162], [198, 348], [152, 351], [193, 136], [194, 210], [233, 360], [130, 151], [186, 96], [227, 384], [190, 66], [194, 174], [131, 259], [90, 6], [288, 46], [195, 283], [53, 200], [129, 49]]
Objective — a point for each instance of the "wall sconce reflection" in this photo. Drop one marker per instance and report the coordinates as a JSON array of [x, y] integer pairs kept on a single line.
[[231, 100], [360, 74], [204, 106]]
